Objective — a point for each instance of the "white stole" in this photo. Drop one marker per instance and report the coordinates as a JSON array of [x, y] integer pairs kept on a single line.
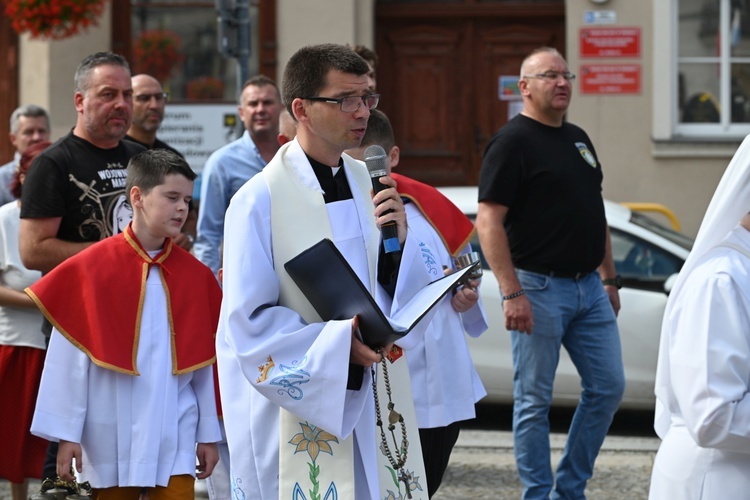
[[299, 219]]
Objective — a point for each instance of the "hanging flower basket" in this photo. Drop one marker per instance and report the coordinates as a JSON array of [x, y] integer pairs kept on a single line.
[[54, 19], [157, 53], [204, 88]]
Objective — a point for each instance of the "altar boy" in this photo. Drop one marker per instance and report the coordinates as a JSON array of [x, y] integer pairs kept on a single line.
[[128, 389]]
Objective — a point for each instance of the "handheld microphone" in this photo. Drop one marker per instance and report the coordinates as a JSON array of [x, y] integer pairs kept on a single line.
[[375, 159]]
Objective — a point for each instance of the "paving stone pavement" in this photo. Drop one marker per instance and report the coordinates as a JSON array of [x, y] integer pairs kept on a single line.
[[482, 467]]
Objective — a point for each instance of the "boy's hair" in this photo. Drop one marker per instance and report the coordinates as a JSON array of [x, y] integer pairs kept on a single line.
[[379, 131], [367, 54], [93, 61], [306, 72], [149, 168]]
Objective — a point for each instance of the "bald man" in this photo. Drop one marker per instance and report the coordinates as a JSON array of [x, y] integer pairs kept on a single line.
[[149, 99]]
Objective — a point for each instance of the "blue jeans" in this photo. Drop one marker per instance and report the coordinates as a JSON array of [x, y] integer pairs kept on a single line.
[[578, 315]]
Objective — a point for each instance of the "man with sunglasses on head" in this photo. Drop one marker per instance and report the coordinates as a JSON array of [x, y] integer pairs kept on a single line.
[[149, 100], [543, 230], [298, 406]]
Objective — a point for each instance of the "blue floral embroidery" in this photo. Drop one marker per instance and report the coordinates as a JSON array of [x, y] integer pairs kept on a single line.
[[331, 494], [297, 493], [237, 493], [292, 378], [430, 261]]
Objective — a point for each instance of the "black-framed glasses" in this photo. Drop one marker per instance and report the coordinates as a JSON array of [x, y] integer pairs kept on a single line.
[[553, 76], [159, 96], [351, 103]]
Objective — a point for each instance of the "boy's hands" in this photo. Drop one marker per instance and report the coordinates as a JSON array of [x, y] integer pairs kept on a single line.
[[208, 457], [66, 452]]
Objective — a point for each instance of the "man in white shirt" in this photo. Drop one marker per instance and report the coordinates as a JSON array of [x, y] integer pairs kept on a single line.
[[229, 167]]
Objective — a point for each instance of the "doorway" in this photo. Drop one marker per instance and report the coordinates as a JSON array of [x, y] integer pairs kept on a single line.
[[438, 74]]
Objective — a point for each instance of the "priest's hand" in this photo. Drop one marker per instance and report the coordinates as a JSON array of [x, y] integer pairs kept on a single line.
[[208, 457], [389, 199], [66, 452], [361, 354]]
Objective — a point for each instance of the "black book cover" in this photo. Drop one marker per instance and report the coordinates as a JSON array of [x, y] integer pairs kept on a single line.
[[335, 291]]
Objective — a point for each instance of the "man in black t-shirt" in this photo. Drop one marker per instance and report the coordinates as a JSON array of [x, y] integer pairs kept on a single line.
[[543, 230], [75, 193], [149, 100]]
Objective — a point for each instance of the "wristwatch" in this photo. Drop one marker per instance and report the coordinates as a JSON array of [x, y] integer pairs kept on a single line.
[[616, 281]]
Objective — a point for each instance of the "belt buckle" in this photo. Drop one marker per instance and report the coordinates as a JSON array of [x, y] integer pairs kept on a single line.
[[578, 276]]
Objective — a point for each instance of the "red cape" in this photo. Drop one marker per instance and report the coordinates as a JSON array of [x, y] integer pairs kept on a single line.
[[95, 299], [453, 227]]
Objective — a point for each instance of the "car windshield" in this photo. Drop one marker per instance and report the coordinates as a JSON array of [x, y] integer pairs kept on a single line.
[[650, 224]]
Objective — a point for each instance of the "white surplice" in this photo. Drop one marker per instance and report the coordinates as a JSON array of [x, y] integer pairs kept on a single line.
[[445, 384], [705, 452], [310, 360], [134, 430]]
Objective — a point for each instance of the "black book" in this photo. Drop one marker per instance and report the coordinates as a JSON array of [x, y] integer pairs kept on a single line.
[[336, 292]]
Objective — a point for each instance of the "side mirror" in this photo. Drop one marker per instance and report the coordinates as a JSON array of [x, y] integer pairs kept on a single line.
[[669, 283]]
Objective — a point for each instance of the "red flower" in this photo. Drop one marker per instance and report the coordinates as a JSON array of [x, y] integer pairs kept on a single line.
[[204, 88], [157, 53], [55, 19]]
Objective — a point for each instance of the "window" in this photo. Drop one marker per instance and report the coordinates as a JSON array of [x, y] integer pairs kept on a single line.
[[199, 73], [641, 263], [711, 79]]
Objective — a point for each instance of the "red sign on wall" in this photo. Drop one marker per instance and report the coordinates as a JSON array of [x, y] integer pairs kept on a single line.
[[611, 79], [610, 42]]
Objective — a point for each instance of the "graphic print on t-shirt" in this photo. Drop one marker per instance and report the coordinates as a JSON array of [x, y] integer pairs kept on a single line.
[[83, 186], [107, 212]]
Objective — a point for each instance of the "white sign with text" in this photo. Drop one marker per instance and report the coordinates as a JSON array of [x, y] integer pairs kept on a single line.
[[197, 130]]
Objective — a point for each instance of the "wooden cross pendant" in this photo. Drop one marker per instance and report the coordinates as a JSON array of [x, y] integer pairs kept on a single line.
[[403, 477]]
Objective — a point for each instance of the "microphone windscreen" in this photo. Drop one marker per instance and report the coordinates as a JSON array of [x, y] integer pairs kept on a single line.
[[375, 159]]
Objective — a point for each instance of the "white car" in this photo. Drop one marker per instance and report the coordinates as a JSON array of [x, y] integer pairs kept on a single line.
[[647, 255]]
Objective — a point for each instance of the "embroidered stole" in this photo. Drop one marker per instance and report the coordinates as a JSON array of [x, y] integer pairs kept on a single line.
[[300, 219]]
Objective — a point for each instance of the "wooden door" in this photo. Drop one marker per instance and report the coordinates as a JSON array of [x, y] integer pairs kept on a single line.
[[438, 75]]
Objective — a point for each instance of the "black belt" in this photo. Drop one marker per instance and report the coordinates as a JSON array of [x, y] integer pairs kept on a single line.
[[556, 274]]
